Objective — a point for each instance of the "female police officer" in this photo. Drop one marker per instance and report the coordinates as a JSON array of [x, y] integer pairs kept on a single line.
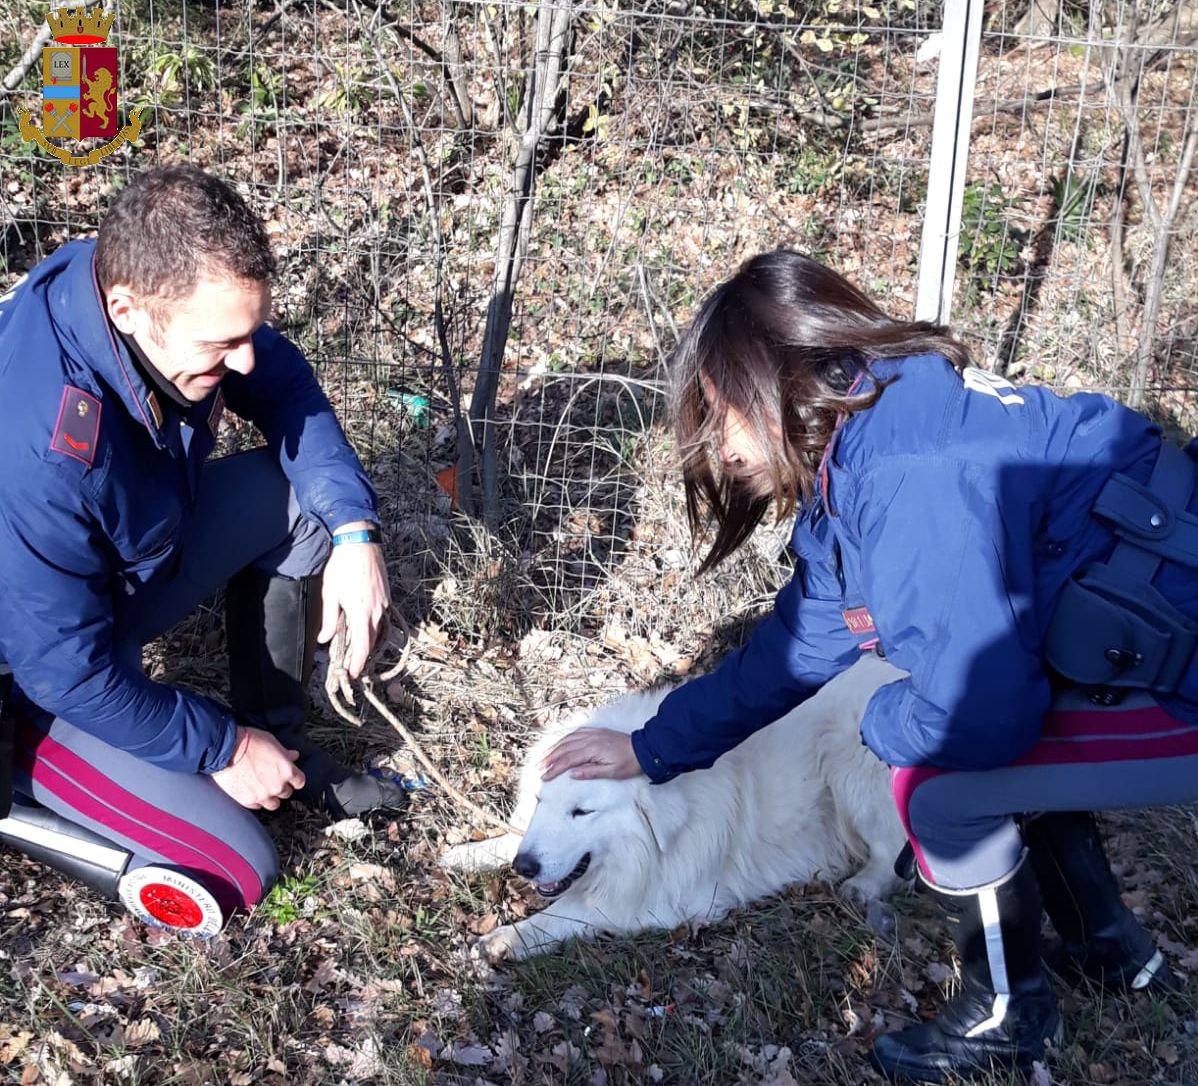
[[1026, 558]]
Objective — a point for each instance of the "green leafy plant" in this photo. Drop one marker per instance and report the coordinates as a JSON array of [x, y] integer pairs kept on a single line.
[[264, 88], [990, 245], [189, 69], [1074, 195], [348, 93], [285, 902]]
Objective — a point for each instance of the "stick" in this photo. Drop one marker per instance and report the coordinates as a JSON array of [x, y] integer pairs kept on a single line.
[[337, 685]]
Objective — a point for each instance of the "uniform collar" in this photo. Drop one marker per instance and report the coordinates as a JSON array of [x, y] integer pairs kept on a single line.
[[79, 316], [826, 459], [160, 392]]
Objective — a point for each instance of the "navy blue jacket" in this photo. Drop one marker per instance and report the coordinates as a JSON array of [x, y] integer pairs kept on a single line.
[[85, 516], [954, 512]]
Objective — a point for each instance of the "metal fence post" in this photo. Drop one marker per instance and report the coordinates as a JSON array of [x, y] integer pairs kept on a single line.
[[950, 152]]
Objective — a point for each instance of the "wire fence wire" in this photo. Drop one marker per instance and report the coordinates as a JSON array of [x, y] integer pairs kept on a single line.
[[492, 218]]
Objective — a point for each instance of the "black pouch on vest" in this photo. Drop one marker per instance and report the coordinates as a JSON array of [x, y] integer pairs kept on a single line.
[[1111, 627], [7, 729], [1108, 633]]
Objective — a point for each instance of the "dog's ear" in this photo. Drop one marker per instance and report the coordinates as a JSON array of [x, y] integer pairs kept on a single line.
[[663, 818]]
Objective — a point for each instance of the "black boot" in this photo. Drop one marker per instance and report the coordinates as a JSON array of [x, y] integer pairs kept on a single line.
[[271, 625], [1100, 939], [1005, 1010]]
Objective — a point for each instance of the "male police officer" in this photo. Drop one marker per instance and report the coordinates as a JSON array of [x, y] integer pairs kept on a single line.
[[117, 358]]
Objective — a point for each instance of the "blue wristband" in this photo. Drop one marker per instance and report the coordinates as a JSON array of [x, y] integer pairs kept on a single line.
[[362, 535]]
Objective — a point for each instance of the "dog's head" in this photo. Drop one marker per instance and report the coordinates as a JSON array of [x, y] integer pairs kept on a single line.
[[581, 831]]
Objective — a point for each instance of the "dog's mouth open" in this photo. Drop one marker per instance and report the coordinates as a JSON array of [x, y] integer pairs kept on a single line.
[[556, 889]]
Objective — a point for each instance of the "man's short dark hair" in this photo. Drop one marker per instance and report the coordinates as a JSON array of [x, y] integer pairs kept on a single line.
[[173, 224]]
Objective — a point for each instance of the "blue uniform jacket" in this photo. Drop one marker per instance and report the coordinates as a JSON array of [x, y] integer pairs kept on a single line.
[[954, 511], [88, 512]]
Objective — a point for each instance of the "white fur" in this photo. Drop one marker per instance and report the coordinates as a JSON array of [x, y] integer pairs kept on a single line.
[[799, 800]]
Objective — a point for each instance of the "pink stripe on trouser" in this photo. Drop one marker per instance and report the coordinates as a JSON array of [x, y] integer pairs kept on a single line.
[[903, 783], [1087, 736], [62, 772], [1070, 737]]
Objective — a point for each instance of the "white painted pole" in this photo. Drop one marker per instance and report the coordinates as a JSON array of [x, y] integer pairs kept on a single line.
[[950, 151]]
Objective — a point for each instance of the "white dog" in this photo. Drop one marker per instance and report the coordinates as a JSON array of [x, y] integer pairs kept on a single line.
[[799, 800]]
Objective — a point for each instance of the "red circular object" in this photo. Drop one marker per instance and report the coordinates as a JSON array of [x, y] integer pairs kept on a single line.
[[49, 107], [170, 906], [73, 106]]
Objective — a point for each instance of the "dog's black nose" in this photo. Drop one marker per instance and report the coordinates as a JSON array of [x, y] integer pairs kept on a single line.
[[526, 866]]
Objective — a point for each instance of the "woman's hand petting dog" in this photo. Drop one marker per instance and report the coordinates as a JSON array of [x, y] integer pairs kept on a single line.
[[590, 753]]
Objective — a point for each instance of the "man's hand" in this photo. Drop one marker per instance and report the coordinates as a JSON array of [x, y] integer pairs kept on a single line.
[[355, 583], [262, 773], [590, 753]]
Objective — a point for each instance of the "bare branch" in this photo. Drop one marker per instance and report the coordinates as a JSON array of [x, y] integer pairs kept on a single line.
[[1154, 289], [553, 28], [455, 69], [28, 59], [1123, 66]]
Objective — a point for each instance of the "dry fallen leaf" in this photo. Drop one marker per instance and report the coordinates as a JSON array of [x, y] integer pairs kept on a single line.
[[468, 1055], [141, 1032], [1166, 1051], [374, 873], [485, 924], [324, 974], [14, 1046]]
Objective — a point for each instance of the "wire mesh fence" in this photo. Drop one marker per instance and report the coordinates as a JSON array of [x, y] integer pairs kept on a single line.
[[1078, 216], [492, 217]]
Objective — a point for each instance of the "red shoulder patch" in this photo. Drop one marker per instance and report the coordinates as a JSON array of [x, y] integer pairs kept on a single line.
[[859, 620], [78, 425]]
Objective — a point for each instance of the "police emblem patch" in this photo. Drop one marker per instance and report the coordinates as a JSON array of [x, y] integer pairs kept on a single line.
[[78, 425], [79, 81]]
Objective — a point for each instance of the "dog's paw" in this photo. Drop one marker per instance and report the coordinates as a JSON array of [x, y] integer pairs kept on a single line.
[[475, 856], [881, 918], [460, 857], [501, 945], [865, 888]]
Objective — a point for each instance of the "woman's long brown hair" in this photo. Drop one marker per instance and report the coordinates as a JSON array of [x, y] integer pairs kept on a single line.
[[781, 342]]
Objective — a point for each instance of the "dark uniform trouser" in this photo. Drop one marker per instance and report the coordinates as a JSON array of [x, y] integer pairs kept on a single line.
[[1089, 758], [245, 514]]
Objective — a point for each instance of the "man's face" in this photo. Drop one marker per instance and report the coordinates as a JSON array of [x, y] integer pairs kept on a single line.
[[198, 339]]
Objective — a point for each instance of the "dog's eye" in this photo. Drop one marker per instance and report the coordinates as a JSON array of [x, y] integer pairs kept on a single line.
[[579, 812]]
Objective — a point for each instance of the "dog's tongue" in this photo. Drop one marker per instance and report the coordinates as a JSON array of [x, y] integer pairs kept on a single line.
[[548, 889]]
